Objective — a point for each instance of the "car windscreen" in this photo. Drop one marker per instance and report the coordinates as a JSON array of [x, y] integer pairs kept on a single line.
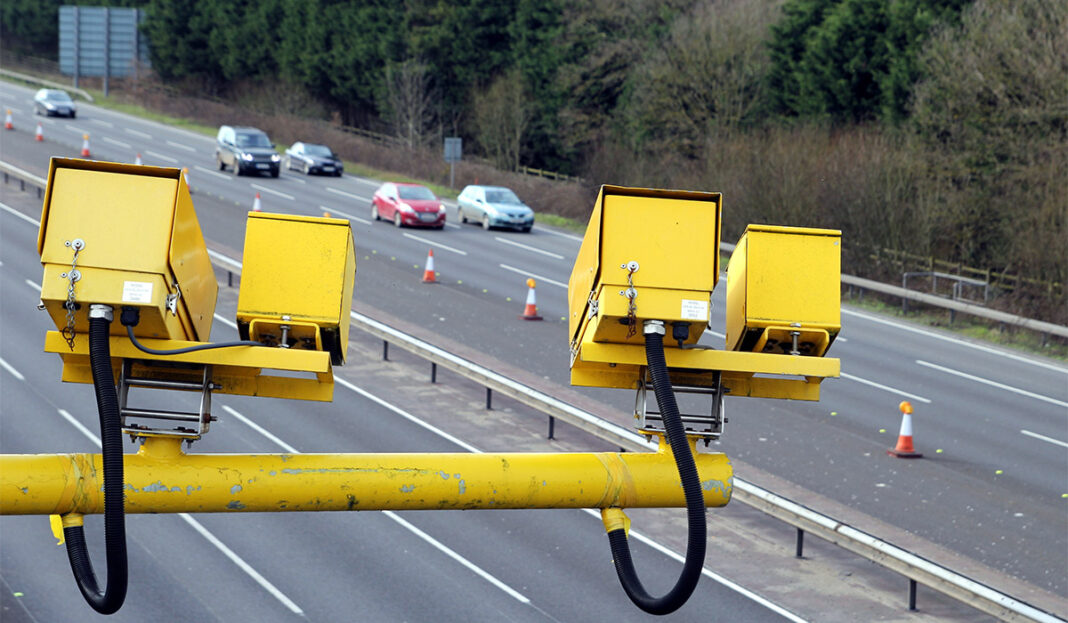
[[253, 140], [318, 150], [57, 96], [415, 192], [502, 195]]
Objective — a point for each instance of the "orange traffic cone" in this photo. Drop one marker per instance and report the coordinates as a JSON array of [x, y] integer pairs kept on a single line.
[[530, 312], [39, 136], [8, 125], [904, 449], [85, 146], [428, 273], [138, 159], [256, 203]]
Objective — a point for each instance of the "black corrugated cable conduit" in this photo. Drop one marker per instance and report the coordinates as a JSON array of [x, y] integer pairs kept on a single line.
[[111, 599], [691, 486]]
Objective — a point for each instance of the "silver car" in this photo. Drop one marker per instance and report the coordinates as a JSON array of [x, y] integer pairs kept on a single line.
[[54, 102], [493, 206]]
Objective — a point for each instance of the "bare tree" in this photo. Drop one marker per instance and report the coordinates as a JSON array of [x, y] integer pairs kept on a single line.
[[503, 114], [409, 108]]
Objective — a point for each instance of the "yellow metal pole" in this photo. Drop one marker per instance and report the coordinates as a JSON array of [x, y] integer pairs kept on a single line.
[[160, 478]]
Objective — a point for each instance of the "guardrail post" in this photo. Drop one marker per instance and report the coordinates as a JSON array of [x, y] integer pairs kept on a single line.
[[229, 279], [489, 399], [800, 543], [385, 350], [552, 426], [433, 372], [912, 594]]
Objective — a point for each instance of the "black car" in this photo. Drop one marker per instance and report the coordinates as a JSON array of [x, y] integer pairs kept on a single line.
[[311, 158], [246, 150]]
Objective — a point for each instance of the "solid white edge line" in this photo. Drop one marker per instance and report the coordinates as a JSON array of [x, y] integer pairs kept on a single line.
[[33, 285], [457, 557], [160, 156], [946, 338], [527, 273], [22, 216], [709, 573], [261, 430], [244, 566], [436, 245], [331, 189], [558, 233], [332, 212], [528, 247], [1044, 438], [15, 373], [979, 379], [211, 172], [885, 388], [229, 553], [273, 192]]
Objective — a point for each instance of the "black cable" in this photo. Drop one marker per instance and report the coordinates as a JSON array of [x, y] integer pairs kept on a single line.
[[691, 486], [187, 349], [111, 599]]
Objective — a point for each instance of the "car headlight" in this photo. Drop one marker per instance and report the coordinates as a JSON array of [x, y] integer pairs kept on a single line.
[[246, 156], [404, 207], [49, 105], [441, 208], [275, 157]]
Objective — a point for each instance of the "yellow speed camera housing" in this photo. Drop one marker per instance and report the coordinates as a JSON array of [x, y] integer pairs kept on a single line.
[[128, 235], [296, 283]]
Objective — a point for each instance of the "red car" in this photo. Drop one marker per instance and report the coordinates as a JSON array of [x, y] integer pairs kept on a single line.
[[408, 204]]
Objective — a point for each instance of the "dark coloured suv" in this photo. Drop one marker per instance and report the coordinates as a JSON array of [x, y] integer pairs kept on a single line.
[[247, 150]]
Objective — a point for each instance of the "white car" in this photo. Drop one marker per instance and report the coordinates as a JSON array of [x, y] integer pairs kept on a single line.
[[54, 103], [494, 206]]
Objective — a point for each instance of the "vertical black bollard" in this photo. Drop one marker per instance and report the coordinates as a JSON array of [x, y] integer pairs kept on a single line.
[[552, 426], [800, 543]]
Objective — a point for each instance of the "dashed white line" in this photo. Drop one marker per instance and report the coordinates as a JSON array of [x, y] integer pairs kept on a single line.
[[273, 192], [979, 379], [15, 373], [331, 189], [106, 124], [137, 133], [261, 430], [1044, 438], [182, 146], [107, 139], [434, 243], [360, 180], [527, 273], [211, 538], [210, 172], [162, 157], [74, 129], [528, 247], [334, 212], [885, 388], [34, 285]]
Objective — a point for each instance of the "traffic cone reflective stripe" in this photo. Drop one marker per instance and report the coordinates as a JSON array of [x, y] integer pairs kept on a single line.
[[256, 203], [138, 160], [904, 448], [8, 125], [530, 312], [39, 136], [85, 146], [428, 273]]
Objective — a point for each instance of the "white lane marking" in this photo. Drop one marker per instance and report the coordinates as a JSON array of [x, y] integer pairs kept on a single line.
[[331, 189], [452, 226], [404, 414], [210, 172], [119, 143], [530, 274], [946, 338], [885, 388], [74, 129], [261, 430], [244, 566], [15, 373], [709, 573], [273, 192], [979, 379], [211, 538], [558, 233], [137, 133], [106, 124], [482, 573], [479, 571], [1036, 436], [296, 179], [227, 321], [182, 146], [33, 285], [528, 247], [360, 180], [8, 96], [22, 216], [161, 156], [334, 212], [434, 243]]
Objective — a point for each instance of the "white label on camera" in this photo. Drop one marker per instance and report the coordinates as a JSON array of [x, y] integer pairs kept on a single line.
[[136, 292], [694, 310]]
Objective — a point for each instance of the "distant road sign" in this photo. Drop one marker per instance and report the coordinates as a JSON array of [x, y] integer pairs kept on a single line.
[[454, 147]]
